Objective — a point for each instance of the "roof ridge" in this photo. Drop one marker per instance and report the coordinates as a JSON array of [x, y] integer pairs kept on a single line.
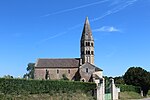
[[57, 62], [93, 65], [58, 58]]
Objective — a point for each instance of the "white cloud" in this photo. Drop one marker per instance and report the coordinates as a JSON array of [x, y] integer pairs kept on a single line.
[[115, 2], [116, 9], [75, 8], [107, 29]]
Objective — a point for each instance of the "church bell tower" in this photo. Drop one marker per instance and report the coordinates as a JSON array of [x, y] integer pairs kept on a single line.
[[87, 44]]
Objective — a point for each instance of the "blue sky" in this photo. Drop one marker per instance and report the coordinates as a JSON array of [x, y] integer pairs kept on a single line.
[[31, 29]]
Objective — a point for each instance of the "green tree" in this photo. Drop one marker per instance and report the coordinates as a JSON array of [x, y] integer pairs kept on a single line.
[[138, 77], [25, 76], [8, 76], [119, 80], [30, 69], [64, 77]]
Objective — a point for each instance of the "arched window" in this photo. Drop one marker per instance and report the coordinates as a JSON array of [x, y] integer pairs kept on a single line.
[[47, 74], [87, 70], [57, 71], [69, 71], [88, 52], [88, 43], [92, 52], [83, 80], [92, 44]]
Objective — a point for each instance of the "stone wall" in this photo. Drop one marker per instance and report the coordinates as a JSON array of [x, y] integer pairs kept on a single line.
[[55, 73], [86, 71]]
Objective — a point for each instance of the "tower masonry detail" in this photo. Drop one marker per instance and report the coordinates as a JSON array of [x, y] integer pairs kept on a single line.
[[87, 44]]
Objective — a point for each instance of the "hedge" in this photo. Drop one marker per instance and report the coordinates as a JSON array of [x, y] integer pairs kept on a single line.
[[22, 86], [128, 88]]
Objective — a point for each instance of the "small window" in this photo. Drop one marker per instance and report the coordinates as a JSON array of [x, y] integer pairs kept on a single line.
[[92, 44], [69, 71], [86, 70], [57, 71], [88, 52], [92, 52], [83, 80], [88, 43]]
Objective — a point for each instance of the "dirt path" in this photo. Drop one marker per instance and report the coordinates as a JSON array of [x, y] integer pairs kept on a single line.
[[145, 99], [142, 99]]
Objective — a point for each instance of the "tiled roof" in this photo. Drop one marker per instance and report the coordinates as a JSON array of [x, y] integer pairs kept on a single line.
[[88, 65], [98, 69], [57, 63]]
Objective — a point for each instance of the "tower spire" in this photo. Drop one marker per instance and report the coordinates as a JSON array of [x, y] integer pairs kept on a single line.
[[87, 44], [87, 33]]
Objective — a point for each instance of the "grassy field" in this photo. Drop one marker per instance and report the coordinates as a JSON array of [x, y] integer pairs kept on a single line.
[[149, 93], [67, 96], [58, 96], [129, 95]]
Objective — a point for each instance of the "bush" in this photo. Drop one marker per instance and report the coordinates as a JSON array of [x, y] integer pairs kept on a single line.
[[149, 93], [22, 86], [124, 88]]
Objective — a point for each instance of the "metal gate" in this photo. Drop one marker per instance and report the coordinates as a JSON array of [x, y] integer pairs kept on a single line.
[[108, 90]]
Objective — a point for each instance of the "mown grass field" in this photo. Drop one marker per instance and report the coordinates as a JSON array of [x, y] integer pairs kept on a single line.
[[67, 96], [57, 96], [129, 95], [149, 93]]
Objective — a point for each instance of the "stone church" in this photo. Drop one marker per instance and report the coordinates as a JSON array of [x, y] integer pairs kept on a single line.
[[77, 69]]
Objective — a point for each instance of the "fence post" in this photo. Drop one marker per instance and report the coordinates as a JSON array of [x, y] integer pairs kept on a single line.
[[101, 89], [114, 90]]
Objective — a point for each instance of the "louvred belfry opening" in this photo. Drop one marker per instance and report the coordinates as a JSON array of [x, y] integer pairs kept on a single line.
[[87, 44]]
